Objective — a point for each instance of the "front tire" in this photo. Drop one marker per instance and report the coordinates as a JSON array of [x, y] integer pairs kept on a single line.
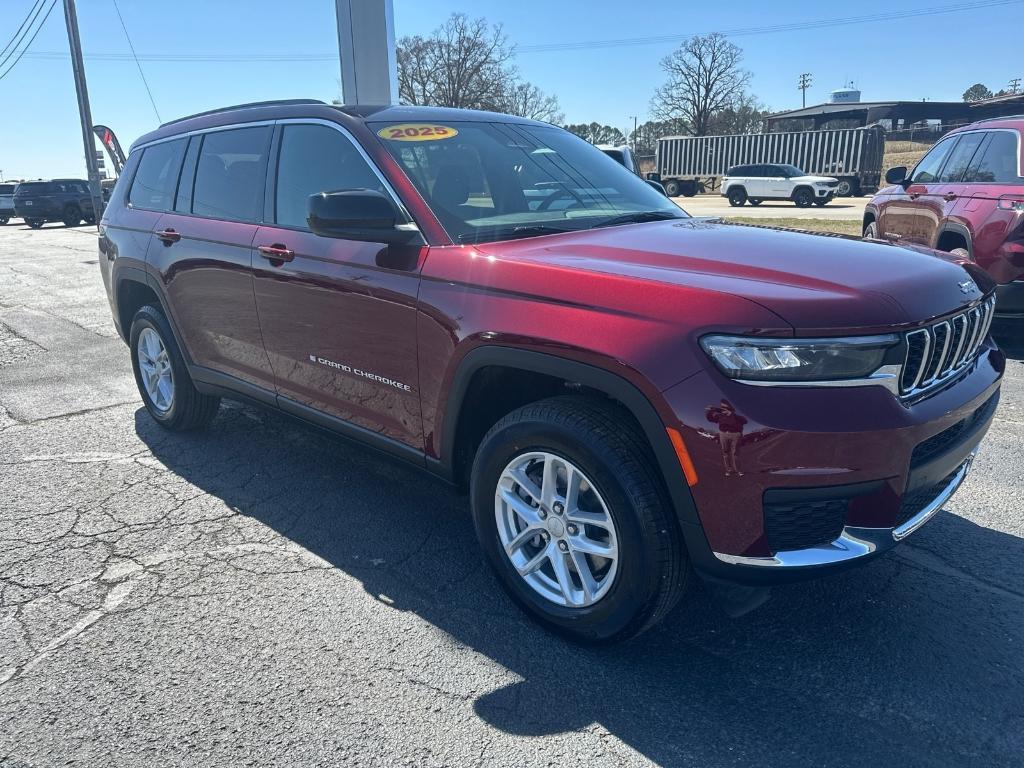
[[737, 197], [803, 198], [871, 231], [72, 216], [34, 223], [574, 521], [672, 188], [4, 220], [162, 377], [755, 201]]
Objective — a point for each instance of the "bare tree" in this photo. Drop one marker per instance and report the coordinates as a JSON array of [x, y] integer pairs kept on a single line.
[[704, 78], [745, 115], [527, 100], [467, 63], [596, 133]]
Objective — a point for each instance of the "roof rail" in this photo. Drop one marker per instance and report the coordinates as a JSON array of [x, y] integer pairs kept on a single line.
[[1001, 117], [272, 103]]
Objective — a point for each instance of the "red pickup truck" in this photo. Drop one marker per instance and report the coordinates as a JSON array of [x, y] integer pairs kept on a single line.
[[632, 396]]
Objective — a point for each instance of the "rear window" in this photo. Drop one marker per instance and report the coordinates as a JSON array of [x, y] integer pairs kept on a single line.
[[34, 187], [230, 174], [154, 183]]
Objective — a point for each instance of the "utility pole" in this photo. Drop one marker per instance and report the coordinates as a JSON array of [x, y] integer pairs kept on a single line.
[[84, 113], [805, 83], [1015, 85]]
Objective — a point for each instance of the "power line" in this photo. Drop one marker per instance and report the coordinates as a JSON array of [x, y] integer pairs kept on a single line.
[[541, 48], [137, 64], [31, 40], [35, 5], [23, 30], [764, 30]]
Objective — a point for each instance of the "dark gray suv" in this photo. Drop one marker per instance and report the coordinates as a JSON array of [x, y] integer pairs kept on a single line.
[[64, 200]]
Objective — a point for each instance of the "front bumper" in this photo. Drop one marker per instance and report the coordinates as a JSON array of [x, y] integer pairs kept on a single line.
[[856, 543], [888, 466], [1010, 300]]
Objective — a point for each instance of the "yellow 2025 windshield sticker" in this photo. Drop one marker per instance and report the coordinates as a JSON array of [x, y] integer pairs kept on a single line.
[[417, 132]]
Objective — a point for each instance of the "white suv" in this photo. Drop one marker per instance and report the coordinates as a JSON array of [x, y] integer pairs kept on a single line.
[[776, 182]]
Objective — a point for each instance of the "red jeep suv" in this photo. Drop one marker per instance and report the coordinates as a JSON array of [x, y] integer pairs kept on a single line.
[[966, 196], [632, 396]]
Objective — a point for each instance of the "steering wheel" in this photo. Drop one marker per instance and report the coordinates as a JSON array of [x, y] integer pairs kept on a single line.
[[561, 191]]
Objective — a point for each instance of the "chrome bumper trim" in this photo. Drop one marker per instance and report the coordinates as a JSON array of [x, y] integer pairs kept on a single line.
[[854, 542]]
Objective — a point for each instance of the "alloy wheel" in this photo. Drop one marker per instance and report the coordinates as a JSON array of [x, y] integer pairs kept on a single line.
[[556, 529], [155, 367]]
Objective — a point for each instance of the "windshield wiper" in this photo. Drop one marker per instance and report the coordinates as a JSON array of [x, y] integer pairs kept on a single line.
[[638, 217], [511, 233]]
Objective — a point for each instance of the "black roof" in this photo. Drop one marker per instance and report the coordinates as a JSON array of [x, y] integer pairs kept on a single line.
[[287, 108]]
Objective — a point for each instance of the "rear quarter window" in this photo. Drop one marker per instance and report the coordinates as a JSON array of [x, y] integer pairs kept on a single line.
[[157, 177], [7, 189]]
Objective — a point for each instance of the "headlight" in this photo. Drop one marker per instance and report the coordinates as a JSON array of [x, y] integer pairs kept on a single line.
[[798, 360]]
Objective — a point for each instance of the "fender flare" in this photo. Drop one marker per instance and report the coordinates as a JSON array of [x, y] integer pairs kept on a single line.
[[960, 229], [599, 379], [126, 274]]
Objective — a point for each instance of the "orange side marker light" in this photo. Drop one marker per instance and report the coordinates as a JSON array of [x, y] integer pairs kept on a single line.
[[683, 455]]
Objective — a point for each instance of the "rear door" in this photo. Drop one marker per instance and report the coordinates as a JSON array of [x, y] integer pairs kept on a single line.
[[995, 172], [776, 182], [339, 316], [202, 251]]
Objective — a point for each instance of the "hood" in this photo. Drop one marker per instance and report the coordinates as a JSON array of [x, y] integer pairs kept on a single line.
[[816, 283]]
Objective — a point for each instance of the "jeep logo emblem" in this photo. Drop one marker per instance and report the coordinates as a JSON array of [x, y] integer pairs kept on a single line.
[[967, 287]]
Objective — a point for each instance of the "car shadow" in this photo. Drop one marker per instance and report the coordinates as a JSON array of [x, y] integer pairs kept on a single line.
[[1009, 335], [910, 659]]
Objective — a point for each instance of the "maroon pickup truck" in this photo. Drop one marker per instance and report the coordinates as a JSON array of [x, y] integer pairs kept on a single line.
[[632, 396]]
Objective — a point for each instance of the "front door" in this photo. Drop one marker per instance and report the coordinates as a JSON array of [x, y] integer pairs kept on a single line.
[[901, 217], [941, 196], [338, 316]]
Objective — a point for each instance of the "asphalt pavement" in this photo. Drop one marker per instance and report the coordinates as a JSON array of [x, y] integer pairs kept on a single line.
[[265, 594], [839, 209]]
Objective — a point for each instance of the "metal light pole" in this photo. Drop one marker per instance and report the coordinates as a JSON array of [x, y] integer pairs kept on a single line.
[[366, 44], [84, 113]]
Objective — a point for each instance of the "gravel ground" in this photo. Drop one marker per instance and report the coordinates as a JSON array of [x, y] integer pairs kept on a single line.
[[263, 594]]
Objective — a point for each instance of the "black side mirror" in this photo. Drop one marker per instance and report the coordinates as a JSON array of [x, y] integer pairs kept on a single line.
[[897, 175], [653, 176], [358, 214], [657, 185]]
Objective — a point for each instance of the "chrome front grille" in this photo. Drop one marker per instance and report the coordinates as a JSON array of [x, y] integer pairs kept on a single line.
[[940, 350]]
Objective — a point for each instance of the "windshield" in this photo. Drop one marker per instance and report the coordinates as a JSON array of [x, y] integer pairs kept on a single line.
[[791, 171], [496, 181]]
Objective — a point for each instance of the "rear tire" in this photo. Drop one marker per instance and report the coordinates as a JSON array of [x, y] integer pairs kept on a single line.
[[645, 572], [4, 220], [672, 188], [162, 377], [737, 197]]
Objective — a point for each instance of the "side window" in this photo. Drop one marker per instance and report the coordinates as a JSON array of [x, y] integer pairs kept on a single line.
[[997, 161], [153, 186], [230, 174], [316, 158], [960, 158], [927, 171]]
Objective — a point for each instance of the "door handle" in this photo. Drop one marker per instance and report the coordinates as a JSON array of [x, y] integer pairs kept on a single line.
[[949, 197], [167, 236], [276, 252]]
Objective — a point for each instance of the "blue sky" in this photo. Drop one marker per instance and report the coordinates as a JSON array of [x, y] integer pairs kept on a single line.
[[933, 57]]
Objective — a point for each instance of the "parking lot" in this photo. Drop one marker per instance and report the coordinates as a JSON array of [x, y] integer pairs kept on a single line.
[[264, 594], [839, 209]]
